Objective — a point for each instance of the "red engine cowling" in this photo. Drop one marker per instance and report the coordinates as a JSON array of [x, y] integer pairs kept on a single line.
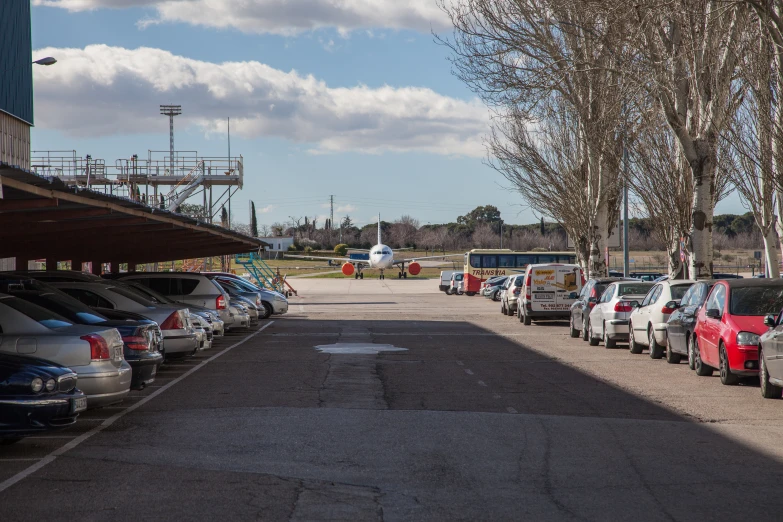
[[348, 269], [414, 268]]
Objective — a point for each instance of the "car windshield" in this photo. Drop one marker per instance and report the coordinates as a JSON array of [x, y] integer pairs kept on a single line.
[[132, 294], [150, 293], [757, 300], [634, 288], [679, 291], [37, 313], [247, 287], [65, 305]]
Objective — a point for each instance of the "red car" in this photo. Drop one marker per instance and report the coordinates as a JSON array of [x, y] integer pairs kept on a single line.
[[729, 325]]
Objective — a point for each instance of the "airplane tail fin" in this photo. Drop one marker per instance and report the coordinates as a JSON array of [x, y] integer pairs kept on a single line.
[[379, 229]]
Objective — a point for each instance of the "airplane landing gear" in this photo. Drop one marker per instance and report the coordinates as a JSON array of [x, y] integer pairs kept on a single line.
[[382, 276], [359, 275], [402, 275]]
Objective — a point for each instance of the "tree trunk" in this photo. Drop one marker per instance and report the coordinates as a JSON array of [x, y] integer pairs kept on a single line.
[[703, 170], [676, 266], [771, 253], [599, 242]]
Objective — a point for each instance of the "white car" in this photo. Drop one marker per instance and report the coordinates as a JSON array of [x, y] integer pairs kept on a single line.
[[608, 320], [548, 291], [648, 321], [445, 280], [456, 284]]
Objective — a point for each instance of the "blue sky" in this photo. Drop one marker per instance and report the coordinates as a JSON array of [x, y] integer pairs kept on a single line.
[[376, 117]]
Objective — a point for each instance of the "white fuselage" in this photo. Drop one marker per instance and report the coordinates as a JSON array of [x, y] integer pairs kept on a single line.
[[381, 257]]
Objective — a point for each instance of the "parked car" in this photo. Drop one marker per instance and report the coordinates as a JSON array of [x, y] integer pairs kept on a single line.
[[274, 303], [240, 315], [548, 291], [679, 327], [445, 280], [493, 287], [510, 294], [608, 320], [179, 337], [210, 316], [142, 338], [771, 357], [492, 281], [55, 276], [456, 284], [36, 396], [730, 324], [717, 276], [584, 302], [187, 288], [648, 321], [94, 353]]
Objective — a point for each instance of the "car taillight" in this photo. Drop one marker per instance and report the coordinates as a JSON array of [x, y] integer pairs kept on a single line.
[[135, 342], [173, 322], [623, 306], [582, 277], [99, 348], [593, 294], [220, 303], [517, 291], [666, 310], [528, 283]]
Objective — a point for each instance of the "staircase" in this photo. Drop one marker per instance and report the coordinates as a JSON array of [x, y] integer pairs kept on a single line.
[[263, 273], [186, 186]]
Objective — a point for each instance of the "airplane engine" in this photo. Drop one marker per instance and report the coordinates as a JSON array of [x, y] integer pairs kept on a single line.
[[348, 269], [414, 268]]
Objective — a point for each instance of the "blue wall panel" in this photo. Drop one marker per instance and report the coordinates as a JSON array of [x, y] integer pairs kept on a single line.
[[16, 70]]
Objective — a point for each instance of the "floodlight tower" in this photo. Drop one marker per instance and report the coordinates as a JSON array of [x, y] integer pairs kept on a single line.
[[171, 111]]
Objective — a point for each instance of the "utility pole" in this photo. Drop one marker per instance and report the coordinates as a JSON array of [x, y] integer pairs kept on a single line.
[[171, 111], [331, 215]]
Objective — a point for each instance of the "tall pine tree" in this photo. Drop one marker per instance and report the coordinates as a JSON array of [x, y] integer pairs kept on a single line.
[[253, 220]]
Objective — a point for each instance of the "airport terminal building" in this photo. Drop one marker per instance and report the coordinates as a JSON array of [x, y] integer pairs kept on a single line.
[[16, 82]]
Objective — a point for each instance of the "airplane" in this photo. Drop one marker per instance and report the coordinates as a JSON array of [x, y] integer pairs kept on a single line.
[[381, 258]]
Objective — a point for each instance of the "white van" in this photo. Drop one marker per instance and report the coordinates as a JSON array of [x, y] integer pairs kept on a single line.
[[548, 291], [445, 279]]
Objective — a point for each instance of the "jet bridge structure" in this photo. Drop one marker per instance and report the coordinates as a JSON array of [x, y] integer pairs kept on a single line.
[[162, 180]]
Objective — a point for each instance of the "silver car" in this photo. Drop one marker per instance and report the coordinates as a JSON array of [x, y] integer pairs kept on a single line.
[[189, 289], [94, 353], [608, 321], [241, 319], [509, 296], [179, 336], [273, 303]]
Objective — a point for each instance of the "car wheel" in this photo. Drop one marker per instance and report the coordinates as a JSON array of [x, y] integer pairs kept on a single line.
[[470, 294], [726, 377], [590, 337], [503, 307], [633, 346], [608, 343], [584, 329], [702, 370], [671, 357], [691, 354], [267, 311], [573, 332], [768, 390], [656, 350], [526, 319]]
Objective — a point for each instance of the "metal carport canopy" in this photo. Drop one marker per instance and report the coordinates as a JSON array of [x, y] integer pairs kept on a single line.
[[43, 218]]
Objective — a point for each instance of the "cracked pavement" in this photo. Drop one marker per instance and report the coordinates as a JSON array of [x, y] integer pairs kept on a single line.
[[481, 418]]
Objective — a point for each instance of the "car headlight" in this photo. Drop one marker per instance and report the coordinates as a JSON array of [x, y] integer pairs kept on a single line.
[[50, 385], [747, 338], [37, 385]]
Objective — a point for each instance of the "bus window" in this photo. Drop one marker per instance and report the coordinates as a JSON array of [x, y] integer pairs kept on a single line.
[[489, 261], [506, 261], [523, 261], [566, 259], [475, 261], [547, 259]]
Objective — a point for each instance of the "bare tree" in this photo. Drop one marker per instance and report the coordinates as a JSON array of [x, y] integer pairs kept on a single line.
[[688, 51], [531, 61], [485, 237]]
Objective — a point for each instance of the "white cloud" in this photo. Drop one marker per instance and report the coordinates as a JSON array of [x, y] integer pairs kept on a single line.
[[284, 17], [102, 90], [267, 209], [345, 208]]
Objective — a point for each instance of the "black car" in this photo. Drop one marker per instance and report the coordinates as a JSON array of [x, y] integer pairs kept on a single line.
[[142, 338], [36, 396], [679, 327], [494, 286], [580, 309]]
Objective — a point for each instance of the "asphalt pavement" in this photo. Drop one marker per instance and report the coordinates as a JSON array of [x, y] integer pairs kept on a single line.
[[387, 400]]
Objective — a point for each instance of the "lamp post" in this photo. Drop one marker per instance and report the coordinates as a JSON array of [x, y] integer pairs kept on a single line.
[[41, 61]]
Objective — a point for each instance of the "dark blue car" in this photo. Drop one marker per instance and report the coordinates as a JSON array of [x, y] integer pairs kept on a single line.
[[36, 396]]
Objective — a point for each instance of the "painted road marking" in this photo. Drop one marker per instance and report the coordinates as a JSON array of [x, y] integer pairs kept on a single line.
[[482, 383], [51, 457], [18, 460], [469, 371], [460, 363]]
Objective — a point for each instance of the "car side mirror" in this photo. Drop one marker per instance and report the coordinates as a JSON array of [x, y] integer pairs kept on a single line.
[[713, 313], [770, 321], [673, 305]]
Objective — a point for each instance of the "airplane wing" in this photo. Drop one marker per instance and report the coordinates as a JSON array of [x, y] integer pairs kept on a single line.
[[321, 258], [409, 260]]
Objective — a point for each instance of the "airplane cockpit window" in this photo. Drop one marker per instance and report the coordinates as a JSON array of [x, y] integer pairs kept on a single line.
[[387, 252]]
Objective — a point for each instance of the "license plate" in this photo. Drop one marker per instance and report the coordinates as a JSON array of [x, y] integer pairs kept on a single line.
[[78, 404], [547, 296]]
